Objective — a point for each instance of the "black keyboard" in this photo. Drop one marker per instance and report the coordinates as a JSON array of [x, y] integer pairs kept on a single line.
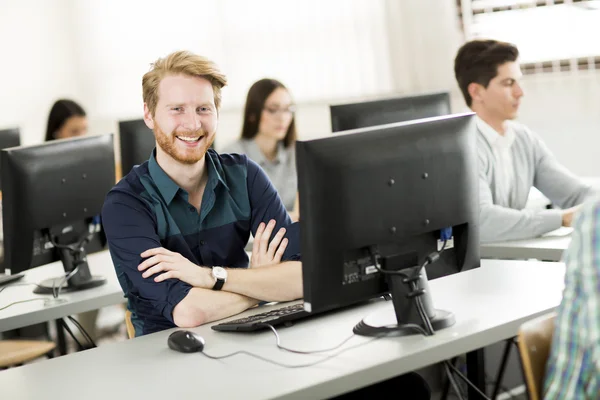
[[256, 322]]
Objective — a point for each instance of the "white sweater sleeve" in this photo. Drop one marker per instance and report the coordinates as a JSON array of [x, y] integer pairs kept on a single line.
[[498, 223]]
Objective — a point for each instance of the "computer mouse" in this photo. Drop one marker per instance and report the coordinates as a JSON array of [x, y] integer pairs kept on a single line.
[[186, 342]]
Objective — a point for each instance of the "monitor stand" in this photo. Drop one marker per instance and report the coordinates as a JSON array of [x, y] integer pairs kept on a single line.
[[82, 279], [48, 285], [405, 318]]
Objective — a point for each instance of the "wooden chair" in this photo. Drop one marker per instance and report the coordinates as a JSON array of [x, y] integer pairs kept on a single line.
[[17, 352], [129, 324], [535, 339]]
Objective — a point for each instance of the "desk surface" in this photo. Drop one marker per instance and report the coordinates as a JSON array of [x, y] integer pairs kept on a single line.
[[490, 303], [549, 247], [33, 312]]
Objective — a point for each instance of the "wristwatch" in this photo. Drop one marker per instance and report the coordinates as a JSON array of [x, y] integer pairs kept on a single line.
[[220, 275]]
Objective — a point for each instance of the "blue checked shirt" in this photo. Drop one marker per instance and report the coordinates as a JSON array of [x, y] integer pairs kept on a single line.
[[573, 369]]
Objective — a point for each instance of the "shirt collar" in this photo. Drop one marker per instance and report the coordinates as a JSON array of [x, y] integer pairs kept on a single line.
[[494, 138], [215, 168], [168, 188]]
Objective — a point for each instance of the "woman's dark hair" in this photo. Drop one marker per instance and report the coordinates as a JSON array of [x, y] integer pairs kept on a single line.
[[60, 112], [255, 102]]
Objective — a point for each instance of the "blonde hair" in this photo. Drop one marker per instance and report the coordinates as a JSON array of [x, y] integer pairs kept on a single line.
[[181, 62]]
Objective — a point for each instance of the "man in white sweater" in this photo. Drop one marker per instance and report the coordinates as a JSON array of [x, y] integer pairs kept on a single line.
[[512, 158]]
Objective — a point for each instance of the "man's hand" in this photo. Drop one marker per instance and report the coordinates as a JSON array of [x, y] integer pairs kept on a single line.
[[174, 265], [263, 252], [568, 215]]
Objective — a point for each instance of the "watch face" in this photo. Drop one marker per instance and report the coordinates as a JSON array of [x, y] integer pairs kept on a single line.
[[219, 273]]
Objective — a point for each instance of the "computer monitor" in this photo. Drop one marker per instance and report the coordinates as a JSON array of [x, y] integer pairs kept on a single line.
[[52, 195], [10, 138], [386, 111], [381, 198], [137, 142]]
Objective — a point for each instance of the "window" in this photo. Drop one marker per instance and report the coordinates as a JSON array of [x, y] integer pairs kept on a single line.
[[552, 35]]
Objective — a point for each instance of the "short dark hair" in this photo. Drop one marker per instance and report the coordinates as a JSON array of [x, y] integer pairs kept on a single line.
[[255, 102], [60, 112], [478, 61]]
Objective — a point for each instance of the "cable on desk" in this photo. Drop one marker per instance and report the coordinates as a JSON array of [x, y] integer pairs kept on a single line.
[[278, 342], [19, 302], [54, 292], [291, 365], [68, 276]]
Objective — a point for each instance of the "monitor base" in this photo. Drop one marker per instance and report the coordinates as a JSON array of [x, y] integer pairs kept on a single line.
[[46, 286], [386, 325]]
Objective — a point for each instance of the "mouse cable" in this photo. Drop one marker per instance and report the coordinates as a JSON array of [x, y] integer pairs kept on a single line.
[[278, 342], [291, 365]]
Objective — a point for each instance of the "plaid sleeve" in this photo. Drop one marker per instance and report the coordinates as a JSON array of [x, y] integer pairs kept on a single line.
[[573, 369]]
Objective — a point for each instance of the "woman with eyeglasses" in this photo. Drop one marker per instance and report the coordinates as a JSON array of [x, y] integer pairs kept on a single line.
[[268, 138]]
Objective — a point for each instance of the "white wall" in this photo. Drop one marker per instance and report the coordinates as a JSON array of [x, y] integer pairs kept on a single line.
[[36, 63], [565, 110]]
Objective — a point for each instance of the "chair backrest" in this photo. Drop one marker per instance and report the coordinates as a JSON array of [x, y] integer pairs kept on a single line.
[[129, 324], [535, 339]]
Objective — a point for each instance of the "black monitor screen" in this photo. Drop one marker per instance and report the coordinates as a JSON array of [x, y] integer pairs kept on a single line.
[[137, 142], [387, 111], [9, 138], [52, 197]]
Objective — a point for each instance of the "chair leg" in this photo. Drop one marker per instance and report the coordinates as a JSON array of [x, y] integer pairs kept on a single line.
[[500, 375], [60, 338], [527, 389]]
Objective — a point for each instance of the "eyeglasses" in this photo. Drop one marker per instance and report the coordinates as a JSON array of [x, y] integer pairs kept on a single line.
[[290, 110]]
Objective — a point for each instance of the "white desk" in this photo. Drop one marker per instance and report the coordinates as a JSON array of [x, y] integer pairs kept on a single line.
[[33, 312], [545, 248], [490, 304]]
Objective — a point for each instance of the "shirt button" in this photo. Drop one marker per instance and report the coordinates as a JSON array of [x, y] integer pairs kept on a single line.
[[202, 243], [192, 209]]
